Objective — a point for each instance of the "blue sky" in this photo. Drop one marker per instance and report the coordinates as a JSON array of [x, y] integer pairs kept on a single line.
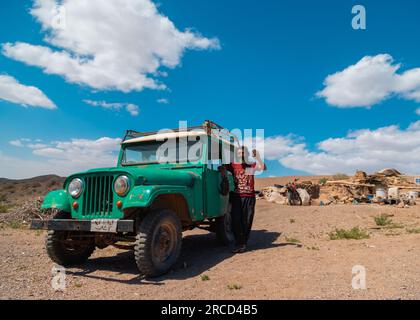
[[261, 66]]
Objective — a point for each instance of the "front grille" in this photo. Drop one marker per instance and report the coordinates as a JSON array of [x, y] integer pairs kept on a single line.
[[98, 197]]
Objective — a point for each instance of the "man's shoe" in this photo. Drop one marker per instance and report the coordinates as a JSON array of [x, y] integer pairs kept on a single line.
[[239, 249]]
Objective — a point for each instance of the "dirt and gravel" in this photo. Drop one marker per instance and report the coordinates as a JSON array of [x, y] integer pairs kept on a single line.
[[274, 267]]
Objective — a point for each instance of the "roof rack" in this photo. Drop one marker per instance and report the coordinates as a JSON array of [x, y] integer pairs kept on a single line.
[[207, 126]]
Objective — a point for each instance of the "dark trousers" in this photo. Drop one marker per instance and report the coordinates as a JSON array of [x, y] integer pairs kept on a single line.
[[243, 209]]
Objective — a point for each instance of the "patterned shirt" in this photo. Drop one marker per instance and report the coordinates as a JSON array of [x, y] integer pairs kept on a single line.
[[243, 176]]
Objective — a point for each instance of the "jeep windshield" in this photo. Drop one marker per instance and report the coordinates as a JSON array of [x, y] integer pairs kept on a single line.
[[169, 151]]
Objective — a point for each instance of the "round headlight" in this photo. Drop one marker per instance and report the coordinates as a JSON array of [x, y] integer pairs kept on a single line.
[[122, 185], [75, 187]]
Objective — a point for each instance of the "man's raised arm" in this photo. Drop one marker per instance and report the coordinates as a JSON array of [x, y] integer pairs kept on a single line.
[[260, 166]]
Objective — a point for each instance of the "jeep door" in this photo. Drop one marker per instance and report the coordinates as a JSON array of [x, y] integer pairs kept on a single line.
[[215, 203]]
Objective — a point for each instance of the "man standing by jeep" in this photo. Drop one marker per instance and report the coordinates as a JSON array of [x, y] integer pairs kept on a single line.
[[243, 198]]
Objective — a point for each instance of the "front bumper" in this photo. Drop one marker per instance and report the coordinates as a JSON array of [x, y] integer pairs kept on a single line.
[[100, 225]]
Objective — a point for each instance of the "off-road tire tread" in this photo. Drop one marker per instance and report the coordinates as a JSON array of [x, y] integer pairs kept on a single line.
[[56, 252], [142, 248]]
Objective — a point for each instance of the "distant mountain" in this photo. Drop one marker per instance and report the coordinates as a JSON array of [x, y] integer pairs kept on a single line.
[[34, 179], [14, 191]]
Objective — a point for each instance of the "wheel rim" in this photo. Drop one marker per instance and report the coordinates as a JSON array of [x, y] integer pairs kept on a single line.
[[164, 243], [72, 246]]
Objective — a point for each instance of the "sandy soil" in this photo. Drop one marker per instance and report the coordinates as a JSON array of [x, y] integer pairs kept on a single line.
[[273, 268]]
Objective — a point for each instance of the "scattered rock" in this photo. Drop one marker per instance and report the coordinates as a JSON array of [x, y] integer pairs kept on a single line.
[[26, 211], [385, 187]]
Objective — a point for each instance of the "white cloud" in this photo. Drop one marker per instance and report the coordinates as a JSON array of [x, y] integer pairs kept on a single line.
[[27, 96], [105, 105], [16, 143], [18, 168], [418, 111], [119, 44], [370, 81], [162, 101], [276, 147], [367, 149], [132, 109], [25, 142], [83, 151], [62, 158], [37, 145]]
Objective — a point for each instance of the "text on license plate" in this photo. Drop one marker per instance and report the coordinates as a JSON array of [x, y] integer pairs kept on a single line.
[[103, 225]]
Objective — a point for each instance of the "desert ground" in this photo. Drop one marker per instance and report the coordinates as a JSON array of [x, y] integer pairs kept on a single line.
[[290, 256]]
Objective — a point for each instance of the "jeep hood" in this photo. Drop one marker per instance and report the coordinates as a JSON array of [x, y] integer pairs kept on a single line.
[[146, 175]]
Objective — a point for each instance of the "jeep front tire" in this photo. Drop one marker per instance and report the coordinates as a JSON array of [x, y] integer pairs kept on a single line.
[[158, 242], [68, 248]]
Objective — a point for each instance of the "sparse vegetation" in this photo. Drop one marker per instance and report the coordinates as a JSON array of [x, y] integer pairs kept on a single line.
[[323, 181], [292, 220], [3, 197], [414, 230], [205, 277], [340, 176], [382, 220], [36, 185], [3, 208], [292, 240], [355, 233], [313, 248], [234, 286], [395, 226], [15, 224]]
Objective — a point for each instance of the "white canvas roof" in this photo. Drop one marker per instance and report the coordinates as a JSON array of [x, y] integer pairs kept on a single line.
[[166, 135], [172, 135]]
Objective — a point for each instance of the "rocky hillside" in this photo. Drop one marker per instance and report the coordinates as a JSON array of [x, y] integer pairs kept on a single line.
[[20, 199], [15, 191]]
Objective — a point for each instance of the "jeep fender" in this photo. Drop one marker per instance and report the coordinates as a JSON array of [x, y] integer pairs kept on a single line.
[[143, 196], [56, 200]]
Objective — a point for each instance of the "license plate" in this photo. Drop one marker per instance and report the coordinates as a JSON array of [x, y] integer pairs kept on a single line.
[[103, 225]]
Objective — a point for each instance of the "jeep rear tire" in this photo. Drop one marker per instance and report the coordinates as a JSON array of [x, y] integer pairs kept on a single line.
[[158, 243], [68, 248], [224, 231]]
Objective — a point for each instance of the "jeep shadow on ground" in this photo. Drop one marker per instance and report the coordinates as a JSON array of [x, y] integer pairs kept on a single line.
[[200, 252], [117, 266]]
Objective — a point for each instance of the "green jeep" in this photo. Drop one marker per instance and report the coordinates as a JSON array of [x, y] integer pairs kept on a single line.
[[166, 182]]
